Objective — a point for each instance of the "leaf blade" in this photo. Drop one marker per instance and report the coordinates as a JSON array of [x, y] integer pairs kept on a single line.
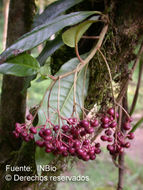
[[73, 35], [39, 34], [54, 10], [22, 65]]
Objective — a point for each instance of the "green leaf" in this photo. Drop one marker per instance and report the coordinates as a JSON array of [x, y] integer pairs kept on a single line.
[[66, 91], [137, 125], [42, 158], [22, 65], [49, 49], [44, 31], [73, 35], [54, 9]]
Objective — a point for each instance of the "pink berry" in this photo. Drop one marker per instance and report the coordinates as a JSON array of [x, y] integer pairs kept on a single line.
[[33, 130], [47, 132], [31, 136], [29, 117], [127, 126], [108, 132], [86, 158], [24, 134], [48, 150], [105, 119], [104, 138], [105, 126], [109, 139], [97, 151], [127, 145], [56, 128], [113, 124], [16, 135], [65, 153], [129, 119], [111, 111], [18, 129], [71, 150], [39, 143], [65, 128], [121, 150], [84, 123], [86, 142], [26, 139], [97, 145], [110, 147], [94, 123], [131, 136], [48, 138], [90, 130], [77, 144], [93, 157]]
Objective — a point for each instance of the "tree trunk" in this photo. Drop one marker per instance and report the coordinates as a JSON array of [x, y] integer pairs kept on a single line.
[[5, 14], [13, 101]]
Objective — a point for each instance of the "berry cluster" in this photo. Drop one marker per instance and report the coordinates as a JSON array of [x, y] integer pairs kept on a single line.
[[75, 137], [22, 131], [113, 135], [70, 139]]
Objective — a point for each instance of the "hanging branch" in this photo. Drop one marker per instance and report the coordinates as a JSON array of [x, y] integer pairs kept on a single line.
[[121, 157], [137, 89]]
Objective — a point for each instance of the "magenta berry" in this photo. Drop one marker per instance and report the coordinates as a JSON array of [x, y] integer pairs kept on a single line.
[[33, 130], [56, 128], [111, 111], [93, 157], [127, 145], [113, 124], [97, 145], [90, 130], [108, 132], [104, 138], [86, 142], [105, 126], [94, 123], [97, 151], [47, 132], [109, 139], [131, 136], [24, 134], [129, 119], [71, 150], [16, 135], [40, 143], [48, 150], [110, 148], [127, 126], [31, 136], [29, 117], [65, 128], [84, 123], [77, 144], [105, 120], [65, 153]]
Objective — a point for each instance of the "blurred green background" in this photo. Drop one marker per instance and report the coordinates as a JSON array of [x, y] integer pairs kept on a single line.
[[102, 173]]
